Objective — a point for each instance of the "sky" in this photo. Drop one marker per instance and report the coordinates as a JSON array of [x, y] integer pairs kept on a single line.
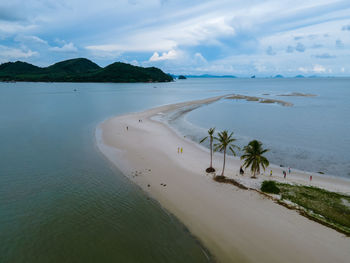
[[221, 37]]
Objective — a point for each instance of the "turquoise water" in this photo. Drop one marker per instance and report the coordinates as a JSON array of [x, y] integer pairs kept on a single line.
[[313, 135], [62, 201]]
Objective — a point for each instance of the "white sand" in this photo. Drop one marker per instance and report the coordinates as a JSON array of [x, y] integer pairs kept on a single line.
[[235, 225]]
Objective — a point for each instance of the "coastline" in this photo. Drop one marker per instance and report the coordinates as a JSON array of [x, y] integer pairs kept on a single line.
[[235, 225]]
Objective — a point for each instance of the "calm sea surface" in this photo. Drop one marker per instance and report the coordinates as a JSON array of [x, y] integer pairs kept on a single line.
[[62, 201]]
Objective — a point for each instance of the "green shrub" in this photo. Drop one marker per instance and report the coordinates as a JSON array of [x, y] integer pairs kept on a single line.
[[270, 187]]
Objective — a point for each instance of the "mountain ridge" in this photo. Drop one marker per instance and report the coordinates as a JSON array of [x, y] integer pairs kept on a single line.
[[80, 70]]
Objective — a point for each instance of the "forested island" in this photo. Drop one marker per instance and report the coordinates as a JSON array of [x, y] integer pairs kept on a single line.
[[81, 70]]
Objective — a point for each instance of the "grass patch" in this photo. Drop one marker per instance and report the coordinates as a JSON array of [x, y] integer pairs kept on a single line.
[[270, 187], [328, 207]]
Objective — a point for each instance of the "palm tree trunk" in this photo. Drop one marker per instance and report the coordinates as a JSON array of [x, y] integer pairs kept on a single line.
[[211, 152], [223, 167]]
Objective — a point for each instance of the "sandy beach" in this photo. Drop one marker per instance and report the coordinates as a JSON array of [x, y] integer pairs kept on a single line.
[[235, 225]]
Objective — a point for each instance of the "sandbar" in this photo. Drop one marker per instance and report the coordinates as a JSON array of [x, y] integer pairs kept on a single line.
[[235, 225]]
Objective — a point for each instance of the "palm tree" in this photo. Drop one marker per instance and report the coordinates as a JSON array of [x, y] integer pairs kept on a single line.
[[211, 132], [225, 142], [253, 157]]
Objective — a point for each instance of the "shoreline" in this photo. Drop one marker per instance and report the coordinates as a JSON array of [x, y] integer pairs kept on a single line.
[[181, 114], [235, 225]]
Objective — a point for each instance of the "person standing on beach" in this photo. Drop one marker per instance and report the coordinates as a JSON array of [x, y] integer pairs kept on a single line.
[[178, 149], [284, 174], [241, 170], [181, 149], [270, 172], [310, 178], [289, 170], [127, 128]]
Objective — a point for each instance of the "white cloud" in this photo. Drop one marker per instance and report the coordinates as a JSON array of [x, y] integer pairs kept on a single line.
[[171, 54], [33, 39], [319, 69], [304, 70], [14, 27], [199, 59], [15, 53], [65, 48]]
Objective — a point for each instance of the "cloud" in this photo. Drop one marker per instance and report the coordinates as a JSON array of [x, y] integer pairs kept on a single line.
[[199, 59], [339, 43], [319, 69], [33, 39], [300, 47], [298, 38], [324, 56], [270, 51], [304, 70], [171, 54], [316, 45], [9, 14], [290, 49], [69, 47], [15, 53], [346, 28], [235, 37]]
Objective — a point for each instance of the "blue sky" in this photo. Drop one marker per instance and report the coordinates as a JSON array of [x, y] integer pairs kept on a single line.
[[183, 37]]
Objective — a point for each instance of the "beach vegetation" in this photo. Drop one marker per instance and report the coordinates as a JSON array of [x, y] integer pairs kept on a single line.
[[224, 143], [253, 157], [211, 132], [330, 208], [270, 187]]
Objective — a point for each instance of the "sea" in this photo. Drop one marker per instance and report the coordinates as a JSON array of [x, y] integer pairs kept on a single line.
[[61, 200]]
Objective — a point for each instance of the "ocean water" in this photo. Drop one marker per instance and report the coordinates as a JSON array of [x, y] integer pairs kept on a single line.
[[62, 201], [313, 135]]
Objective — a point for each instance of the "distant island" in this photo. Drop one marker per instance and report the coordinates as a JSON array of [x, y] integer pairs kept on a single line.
[[182, 77], [81, 70], [209, 76]]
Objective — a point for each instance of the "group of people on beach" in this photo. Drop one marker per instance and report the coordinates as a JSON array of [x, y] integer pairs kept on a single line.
[[127, 127], [179, 150]]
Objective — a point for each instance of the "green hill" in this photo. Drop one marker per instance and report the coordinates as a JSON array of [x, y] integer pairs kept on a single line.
[[11, 68], [80, 70], [74, 66]]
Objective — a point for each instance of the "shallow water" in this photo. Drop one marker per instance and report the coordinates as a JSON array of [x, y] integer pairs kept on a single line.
[[313, 135]]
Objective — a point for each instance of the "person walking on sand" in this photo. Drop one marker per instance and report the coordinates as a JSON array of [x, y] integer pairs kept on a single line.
[[284, 174], [127, 128], [270, 172], [181, 150], [289, 170], [310, 178], [178, 149]]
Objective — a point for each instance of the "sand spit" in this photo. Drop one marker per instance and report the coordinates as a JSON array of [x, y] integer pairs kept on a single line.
[[236, 225], [260, 100], [298, 94]]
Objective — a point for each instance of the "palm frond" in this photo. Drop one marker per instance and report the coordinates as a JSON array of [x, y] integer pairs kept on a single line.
[[203, 139]]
